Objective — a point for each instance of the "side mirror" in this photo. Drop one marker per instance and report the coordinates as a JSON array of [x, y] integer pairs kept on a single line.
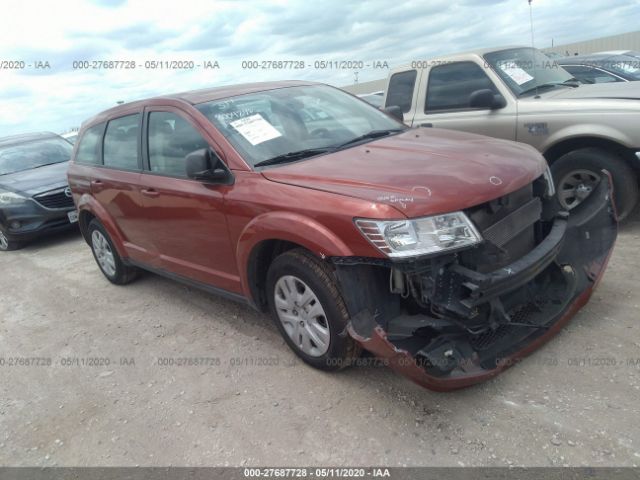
[[485, 98], [395, 111], [205, 165]]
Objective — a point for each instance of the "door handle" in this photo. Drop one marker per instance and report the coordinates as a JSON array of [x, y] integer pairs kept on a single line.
[[149, 192], [429, 125], [96, 182]]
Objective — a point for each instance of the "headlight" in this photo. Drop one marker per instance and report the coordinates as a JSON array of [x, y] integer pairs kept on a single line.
[[11, 198], [551, 188], [420, 236]]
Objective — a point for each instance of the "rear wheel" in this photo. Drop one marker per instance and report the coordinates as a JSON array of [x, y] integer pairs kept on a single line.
[[7, 245], [309, 310], [107, 256], [577, 173]]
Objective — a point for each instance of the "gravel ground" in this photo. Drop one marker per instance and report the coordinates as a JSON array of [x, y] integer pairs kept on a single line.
[[107, 398]]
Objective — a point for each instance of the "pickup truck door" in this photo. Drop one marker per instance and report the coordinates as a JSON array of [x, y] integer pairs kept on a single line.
[[443, 101], [401, 91]]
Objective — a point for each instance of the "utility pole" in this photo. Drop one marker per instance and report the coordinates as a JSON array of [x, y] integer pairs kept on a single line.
[[531, 22]]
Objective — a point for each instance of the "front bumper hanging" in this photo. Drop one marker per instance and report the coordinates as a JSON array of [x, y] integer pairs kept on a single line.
[[529, 301]]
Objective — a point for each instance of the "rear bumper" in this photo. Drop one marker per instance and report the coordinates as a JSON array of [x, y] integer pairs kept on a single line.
[[563, 270]]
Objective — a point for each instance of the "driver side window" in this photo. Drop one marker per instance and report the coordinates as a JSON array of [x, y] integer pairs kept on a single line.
[[171, 139], [450, 86]]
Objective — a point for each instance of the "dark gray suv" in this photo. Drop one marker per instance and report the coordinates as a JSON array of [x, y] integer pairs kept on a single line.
[[34, 195]]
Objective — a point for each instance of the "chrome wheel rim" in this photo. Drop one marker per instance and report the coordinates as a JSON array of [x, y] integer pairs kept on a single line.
[[575, 187], [302, 316], [103, 253], [4, 241]]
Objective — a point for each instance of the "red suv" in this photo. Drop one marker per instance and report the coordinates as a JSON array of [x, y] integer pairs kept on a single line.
[[443, 253]]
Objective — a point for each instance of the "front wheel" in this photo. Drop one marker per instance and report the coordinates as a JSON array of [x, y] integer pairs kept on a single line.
[[577, 173], [6, 244], [309, 310]]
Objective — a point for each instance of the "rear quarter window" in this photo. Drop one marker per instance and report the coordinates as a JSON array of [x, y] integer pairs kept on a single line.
[[88, 147]]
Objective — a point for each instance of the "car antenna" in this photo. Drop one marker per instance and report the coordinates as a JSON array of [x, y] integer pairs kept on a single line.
[[533, 55]]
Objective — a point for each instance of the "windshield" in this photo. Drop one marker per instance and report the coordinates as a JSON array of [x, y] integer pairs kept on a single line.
[[524, 69], [25, 156], [274, 123]]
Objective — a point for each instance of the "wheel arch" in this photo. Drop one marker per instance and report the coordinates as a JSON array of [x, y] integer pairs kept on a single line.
[[272, 234], [84, 219], [89, 209], [562, 147]]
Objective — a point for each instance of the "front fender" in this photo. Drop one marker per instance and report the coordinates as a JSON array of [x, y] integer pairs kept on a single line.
[[603, 132], [290, 227], [87, 203]]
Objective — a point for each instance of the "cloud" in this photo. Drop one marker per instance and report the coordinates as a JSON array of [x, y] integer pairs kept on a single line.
[[396, 31], [109, 3]]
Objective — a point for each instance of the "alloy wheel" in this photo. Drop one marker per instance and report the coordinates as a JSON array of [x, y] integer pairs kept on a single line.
[[575, 187], [103, 253], [4, 241]]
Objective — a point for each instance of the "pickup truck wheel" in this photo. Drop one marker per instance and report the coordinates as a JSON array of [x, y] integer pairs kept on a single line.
[[107, 257], [7, 245], [576, 174], [309, 311]]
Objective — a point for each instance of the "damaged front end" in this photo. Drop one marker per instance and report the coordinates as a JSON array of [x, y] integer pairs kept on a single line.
[[451, 320]]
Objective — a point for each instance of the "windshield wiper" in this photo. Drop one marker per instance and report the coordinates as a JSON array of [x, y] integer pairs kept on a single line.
[[291, 156], [553, 84], [370, 135]]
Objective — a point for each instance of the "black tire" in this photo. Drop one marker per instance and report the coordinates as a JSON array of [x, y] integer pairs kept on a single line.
[[625, 181], [342, 349], [7, 245], [122, 273]]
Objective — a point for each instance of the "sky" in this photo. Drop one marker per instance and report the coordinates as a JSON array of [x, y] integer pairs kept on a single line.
[[51, 91]]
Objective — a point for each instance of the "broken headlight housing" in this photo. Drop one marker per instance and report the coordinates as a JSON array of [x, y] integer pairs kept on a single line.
[[420, 236]]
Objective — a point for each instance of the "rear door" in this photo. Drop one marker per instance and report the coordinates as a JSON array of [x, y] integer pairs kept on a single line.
[[443, 101], [115, 180], [185, 218]]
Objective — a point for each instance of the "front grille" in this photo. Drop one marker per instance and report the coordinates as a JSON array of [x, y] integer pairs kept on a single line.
[[55, 199], [507, 225], [505, 230]]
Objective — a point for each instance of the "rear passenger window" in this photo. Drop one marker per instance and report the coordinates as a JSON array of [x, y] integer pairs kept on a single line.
[[171, 139], [400, 90], [121, 143], [450, 86], [88, 146]]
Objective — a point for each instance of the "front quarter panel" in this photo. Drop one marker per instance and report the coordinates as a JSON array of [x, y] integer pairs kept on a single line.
[[259, 209], [543, 123]]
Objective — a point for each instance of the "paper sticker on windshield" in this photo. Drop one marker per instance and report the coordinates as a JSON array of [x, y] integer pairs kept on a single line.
[[255, 129], [516, 74]]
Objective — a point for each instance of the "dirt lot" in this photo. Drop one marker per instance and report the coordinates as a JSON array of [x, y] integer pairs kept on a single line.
[[108, 397]]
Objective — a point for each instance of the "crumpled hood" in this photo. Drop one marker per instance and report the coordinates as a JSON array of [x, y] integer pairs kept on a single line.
[[37, 180], [618, 90], [421, 171]]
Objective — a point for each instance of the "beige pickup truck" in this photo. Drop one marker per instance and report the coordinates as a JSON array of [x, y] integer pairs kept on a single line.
[[518, 93]]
